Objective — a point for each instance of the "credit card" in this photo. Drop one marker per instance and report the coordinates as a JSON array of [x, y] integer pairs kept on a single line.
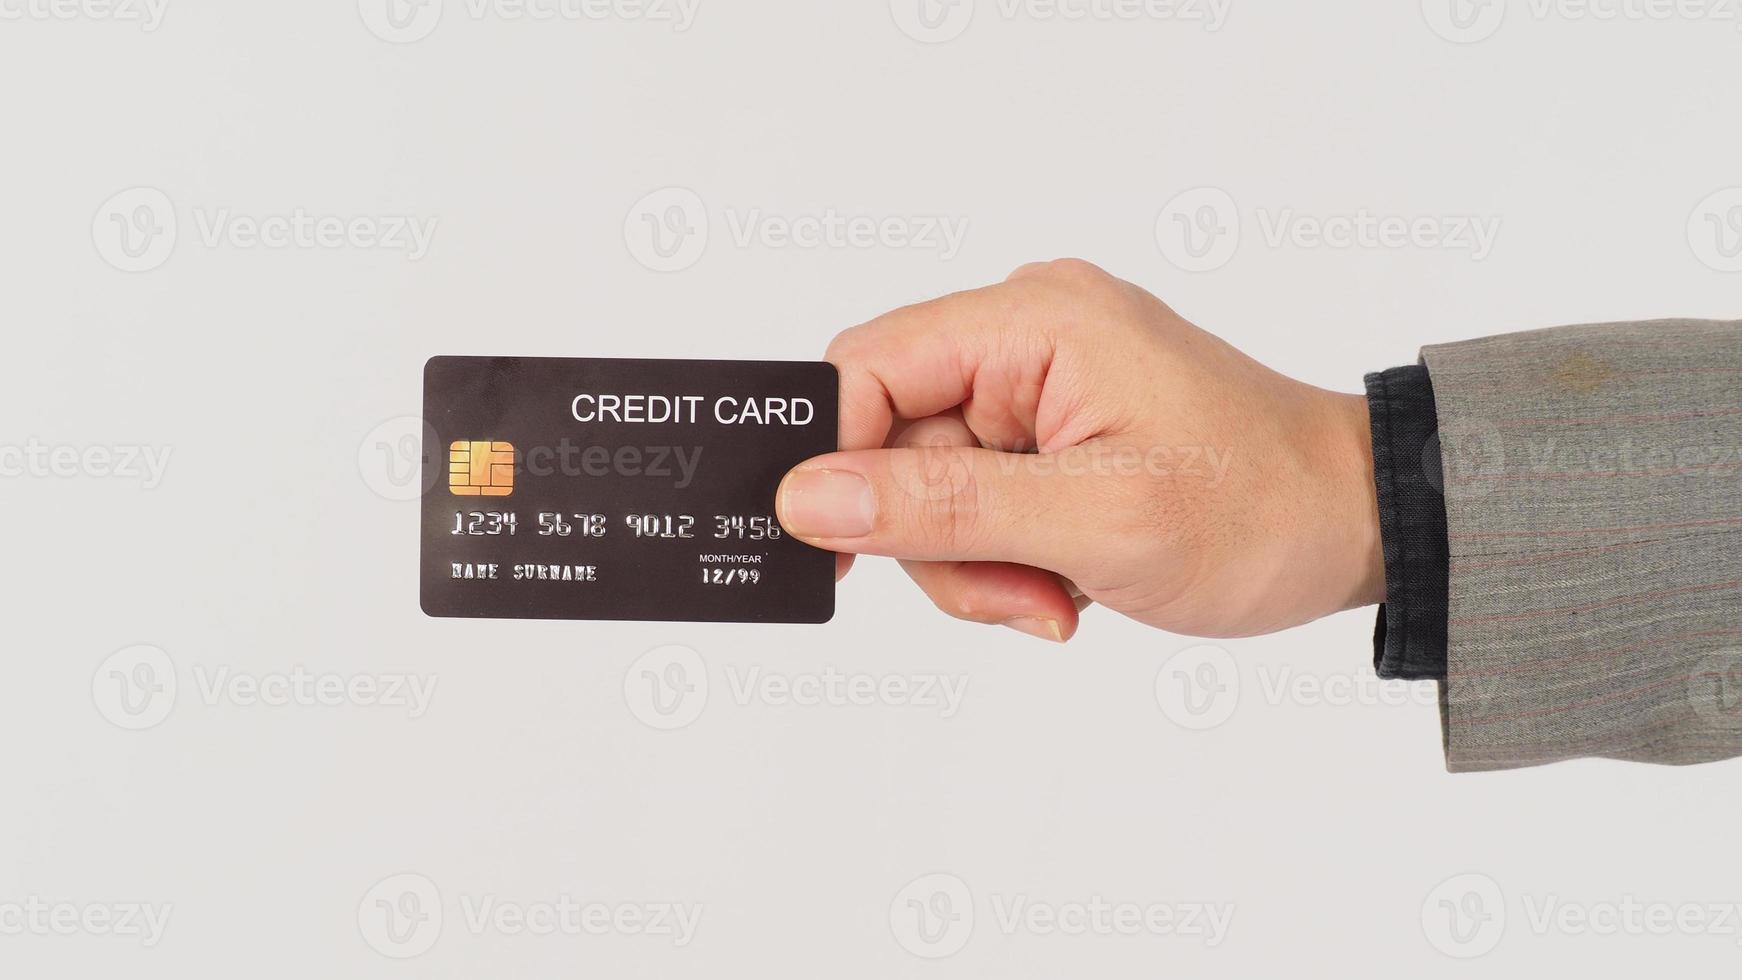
[[592, 488]]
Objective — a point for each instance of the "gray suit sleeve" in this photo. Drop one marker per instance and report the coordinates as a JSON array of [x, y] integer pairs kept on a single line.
[[1593, 482]]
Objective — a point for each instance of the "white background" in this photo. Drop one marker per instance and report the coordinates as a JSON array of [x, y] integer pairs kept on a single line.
[[274, 376]]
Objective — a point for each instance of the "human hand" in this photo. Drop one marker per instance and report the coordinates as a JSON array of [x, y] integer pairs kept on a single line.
[[1064, 438]]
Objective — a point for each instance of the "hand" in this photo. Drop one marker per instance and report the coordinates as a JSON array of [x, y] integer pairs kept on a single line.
[[1064, 438]]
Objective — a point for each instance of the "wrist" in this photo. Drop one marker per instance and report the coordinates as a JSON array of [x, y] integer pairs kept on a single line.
[[1359, 556]]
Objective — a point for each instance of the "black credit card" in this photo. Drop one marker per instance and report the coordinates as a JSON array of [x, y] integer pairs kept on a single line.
[[591, 488]]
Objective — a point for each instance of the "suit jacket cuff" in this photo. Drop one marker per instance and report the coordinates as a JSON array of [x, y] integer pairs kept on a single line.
[[1593, 509]]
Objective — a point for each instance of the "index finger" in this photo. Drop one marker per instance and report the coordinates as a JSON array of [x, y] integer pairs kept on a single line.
[[918, 361]]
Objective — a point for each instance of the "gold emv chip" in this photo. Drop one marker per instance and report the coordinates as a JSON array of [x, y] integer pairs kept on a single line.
[[481, 468]]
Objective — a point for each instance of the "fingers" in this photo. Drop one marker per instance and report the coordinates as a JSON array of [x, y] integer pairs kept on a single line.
[[946, 429], [1026, 599], [1022, 597], [944, 504], [983, 356], [987, 350]]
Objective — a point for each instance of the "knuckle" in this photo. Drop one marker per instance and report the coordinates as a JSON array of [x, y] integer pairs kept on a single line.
[[943, 500], [952, 521], [1081, 294], [961, 603], [1065, 271], [1078, 271]]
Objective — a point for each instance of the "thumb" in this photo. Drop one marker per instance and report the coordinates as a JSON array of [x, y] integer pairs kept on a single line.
[[938, 503]]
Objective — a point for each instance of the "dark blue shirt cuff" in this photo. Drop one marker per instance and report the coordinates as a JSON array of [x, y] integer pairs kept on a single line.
[[1409, 642]]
